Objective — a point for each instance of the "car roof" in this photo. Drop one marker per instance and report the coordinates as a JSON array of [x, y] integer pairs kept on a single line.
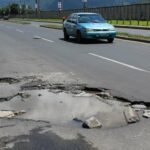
[[84, 13]]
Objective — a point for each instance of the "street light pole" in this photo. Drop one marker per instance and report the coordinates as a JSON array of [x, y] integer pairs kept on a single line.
[[84, 4], [36, 6], [20, 6]]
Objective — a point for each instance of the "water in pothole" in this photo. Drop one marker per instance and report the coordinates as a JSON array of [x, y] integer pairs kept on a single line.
[[62, 108]]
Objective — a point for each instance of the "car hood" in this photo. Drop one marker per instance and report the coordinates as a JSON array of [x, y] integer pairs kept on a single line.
[[96, 25]]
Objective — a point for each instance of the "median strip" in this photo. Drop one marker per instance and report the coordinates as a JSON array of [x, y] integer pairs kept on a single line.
[[120, 63]]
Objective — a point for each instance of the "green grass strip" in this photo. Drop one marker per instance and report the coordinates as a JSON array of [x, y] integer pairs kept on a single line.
[[130, 22]]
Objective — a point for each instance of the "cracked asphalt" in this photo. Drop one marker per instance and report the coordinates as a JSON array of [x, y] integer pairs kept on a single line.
[[122, 68]]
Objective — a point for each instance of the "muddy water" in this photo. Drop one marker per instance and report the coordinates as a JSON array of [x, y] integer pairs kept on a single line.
[[49, 141]]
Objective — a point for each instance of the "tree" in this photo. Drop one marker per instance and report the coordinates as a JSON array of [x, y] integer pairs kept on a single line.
[[14, 9]]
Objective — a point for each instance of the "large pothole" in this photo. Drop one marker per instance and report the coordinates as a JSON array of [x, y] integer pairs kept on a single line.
[[70, 103]]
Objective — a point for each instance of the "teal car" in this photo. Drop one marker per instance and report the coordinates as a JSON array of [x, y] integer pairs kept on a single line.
[[88, 26]]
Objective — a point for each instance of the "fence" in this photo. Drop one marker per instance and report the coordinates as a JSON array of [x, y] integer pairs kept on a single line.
[[127, 12]]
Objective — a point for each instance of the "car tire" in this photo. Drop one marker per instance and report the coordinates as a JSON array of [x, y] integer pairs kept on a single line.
[[66, 36], [79, 37], [110, 40]]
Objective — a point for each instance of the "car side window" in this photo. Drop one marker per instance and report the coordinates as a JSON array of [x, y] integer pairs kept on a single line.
[[74, 19], [69, 19]]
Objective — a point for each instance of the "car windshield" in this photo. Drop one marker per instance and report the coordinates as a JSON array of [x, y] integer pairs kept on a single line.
[[91, 18]]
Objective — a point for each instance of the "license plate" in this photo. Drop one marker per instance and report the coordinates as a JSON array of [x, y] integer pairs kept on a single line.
[[105, 35]]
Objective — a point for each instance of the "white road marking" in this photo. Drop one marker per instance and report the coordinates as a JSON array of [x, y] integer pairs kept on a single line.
[[120, 63], [39, 37], [18, 30]]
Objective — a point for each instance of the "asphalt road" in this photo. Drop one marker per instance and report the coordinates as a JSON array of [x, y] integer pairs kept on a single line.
[[123, 67]]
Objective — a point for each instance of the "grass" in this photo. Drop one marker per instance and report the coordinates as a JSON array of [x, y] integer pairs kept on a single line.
[[40, 20], [130, 22], [18, 21], [119, 34]]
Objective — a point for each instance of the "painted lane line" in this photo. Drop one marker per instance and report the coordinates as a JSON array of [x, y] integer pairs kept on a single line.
[[39, 37], [18, 30], [120, 63]]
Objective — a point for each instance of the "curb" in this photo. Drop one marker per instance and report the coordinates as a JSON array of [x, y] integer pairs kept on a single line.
[[132, 27], [133, 39], [48, 21], [51, 27]]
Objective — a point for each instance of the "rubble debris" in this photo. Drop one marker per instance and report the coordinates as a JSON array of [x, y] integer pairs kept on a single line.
[[83, 94], [76, 91], [35, 85], [91, 122], [3, 99], [139, 107], [24, 95], [8, 98], [146, 113], [55, 91], [9, 80], [10, 114], [105, 95], [131, 115]]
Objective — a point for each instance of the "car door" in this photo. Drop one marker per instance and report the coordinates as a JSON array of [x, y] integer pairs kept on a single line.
[[68, 25], [74, 25]]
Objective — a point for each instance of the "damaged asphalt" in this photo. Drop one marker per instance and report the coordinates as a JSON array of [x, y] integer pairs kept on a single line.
[[48, 114], [44, 80]]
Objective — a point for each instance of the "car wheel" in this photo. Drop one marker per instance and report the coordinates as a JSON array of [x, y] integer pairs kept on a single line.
[[66, 36], [79, 37], [110, 40]]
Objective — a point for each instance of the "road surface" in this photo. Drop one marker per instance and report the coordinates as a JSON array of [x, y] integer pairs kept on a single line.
[[123, 67]]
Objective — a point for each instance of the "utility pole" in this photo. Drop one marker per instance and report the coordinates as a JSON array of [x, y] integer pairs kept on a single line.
[[20, 6], [37, 2], [84, 4]]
